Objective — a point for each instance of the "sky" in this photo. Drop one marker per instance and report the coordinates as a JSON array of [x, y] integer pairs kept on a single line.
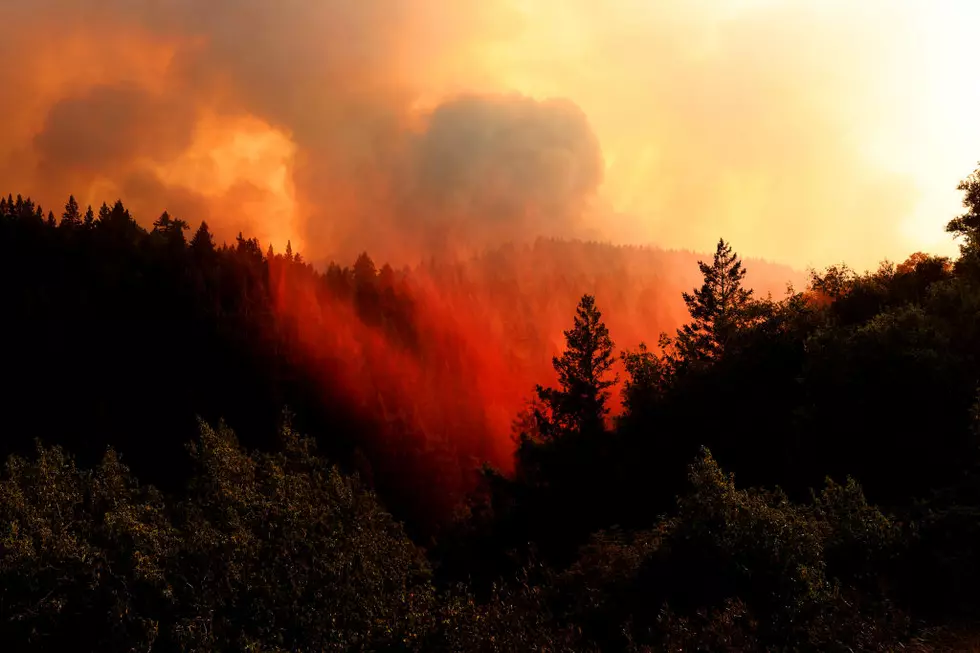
[[807, 132]]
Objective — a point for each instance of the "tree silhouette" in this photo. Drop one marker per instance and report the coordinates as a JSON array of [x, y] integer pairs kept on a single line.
[[967, 226], [280, 551], [202, 240], [647, 376], [170, 230], [718, 309], [834, 282], [162, 224], [579, 403], [72, 216]]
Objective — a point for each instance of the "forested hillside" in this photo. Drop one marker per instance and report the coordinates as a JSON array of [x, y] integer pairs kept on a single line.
[[490, 460], [402, 375]]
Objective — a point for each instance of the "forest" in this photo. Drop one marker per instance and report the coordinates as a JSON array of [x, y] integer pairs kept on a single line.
[[558, 446]]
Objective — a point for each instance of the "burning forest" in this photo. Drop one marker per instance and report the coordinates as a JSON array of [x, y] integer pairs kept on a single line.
[[415, 325]]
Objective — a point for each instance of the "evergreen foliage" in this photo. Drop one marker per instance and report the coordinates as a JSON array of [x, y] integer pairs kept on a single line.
[[848, 412]]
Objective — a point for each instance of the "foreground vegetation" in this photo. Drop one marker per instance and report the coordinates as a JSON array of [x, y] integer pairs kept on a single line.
[[848, 412]]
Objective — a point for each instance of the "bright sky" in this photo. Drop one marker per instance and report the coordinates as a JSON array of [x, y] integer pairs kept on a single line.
[[761, 118], [804, 131]]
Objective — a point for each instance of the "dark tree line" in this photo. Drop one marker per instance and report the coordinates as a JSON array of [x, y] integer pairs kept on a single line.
[[118, 335], [786, 474]]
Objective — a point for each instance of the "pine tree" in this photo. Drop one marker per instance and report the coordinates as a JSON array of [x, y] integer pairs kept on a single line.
[[718, 309], [250, 247], [365, 271], [202, 240], [51, 221], [89, 220], [170, 229], [162, 224], [578, 405], [72, 216], [366, 295], [119, 215]]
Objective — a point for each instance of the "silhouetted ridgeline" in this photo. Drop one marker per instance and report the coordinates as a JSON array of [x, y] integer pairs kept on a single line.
[[135, 333], [614, 526]]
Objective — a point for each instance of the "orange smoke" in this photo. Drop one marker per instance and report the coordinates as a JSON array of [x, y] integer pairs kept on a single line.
[[798, 130], [448, 354], [415, 129]]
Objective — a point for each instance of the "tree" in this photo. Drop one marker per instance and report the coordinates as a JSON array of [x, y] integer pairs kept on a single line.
[[834, 282], [202, 240], [967, 226], [72, 216], [719, 309], [249, 248], [365, 272], [89, 220], [284, 551], [579, 404], [170, 229], [267, 551], [647, 376], [162, 224]]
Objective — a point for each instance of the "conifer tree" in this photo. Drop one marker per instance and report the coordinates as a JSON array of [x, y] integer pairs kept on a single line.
[[119, 215], [718, 309], [202, 240], [171, 229], [578, 405], [365, 271], [162, 224], [72, 216]]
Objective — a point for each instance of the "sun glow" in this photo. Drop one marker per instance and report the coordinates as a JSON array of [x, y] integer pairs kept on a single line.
[[765, 116]]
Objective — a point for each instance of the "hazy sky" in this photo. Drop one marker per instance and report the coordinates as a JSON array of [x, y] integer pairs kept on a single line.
[[803, 131]]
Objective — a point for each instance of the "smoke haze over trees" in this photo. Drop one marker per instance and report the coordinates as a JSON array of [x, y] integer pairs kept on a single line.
[[597, 512], [337, 125], [418, 325]]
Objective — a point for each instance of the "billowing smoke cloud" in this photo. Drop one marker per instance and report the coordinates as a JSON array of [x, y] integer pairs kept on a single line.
[[390, 125], [293, 120], [104, 129], [489, 169]]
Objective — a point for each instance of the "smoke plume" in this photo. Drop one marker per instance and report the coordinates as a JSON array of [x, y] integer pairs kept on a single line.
[[399, 126]]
